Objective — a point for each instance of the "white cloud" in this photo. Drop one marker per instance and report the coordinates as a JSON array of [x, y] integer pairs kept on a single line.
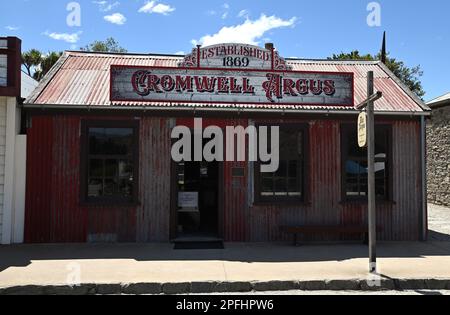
[[180, 53], [248, 32], [226, 7], [106, 6], [154, 7], [116, 18], [243, 13], [68, 38], [12, 28]]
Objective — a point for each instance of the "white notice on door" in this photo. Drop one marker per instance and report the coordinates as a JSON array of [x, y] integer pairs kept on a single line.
[[188, 200]]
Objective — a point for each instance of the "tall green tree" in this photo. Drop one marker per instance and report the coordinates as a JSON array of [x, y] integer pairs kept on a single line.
[[109, 45], [31, 60], [409, 76], [38, 64], [46, 64]]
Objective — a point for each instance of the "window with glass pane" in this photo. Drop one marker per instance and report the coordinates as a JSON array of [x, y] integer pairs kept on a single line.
[[110, 163], [287, 182], [355, 165]]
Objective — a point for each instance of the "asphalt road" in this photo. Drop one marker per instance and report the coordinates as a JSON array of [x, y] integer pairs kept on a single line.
[[343, 293]]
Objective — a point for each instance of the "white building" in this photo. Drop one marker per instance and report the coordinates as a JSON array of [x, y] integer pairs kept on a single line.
[[15, 86]]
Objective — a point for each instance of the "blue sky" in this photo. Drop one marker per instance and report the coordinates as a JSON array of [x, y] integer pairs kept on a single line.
[[418, 31]]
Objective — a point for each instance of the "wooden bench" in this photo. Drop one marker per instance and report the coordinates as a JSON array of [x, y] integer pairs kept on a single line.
[[296, 230]]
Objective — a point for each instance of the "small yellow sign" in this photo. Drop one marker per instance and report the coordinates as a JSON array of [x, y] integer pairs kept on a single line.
[[362, 130]]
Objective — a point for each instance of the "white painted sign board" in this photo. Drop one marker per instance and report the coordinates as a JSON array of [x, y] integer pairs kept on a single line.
[[238, 56], [192, 85], [362, 130], [188, 200]]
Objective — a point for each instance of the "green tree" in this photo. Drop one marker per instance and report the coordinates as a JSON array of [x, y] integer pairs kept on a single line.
[[47, 62], [31, 60], [409, 76], [109, 45]]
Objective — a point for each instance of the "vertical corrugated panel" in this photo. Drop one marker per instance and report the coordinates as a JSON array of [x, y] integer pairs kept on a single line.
[[397, 221], [324, 175], [406, 168], [53, 213], [68, 220], [236, 219], [39, 180], [111, 223], [53, 210], [153, 216], [323, 185]]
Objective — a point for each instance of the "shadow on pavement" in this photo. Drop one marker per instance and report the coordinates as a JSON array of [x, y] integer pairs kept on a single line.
[[434, 236], [23, 255]]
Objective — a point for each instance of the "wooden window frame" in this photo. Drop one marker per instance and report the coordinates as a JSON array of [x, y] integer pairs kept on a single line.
[[84, 159], [304, 176], [348, 128]]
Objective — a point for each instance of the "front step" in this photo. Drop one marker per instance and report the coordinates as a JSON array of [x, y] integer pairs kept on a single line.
[[198, 243]]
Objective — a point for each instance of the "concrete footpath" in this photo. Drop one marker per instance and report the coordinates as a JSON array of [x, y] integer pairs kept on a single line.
[[157, 268]]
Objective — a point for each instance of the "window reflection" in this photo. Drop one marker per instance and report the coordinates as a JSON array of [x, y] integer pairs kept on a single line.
[[356, 165], [110, 162]]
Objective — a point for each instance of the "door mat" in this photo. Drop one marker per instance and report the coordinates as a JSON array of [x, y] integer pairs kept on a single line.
[[198, 245]]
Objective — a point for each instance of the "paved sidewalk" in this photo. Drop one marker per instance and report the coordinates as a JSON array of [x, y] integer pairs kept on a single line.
[[439, 223], [157, 268]]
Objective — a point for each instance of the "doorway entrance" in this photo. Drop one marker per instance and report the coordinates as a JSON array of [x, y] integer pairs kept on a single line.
[[198, 200]]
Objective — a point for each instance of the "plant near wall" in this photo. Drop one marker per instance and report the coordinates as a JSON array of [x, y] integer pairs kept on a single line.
[[409, 76]]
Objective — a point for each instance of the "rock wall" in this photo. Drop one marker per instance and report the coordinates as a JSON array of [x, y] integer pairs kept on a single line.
[[438, 133]]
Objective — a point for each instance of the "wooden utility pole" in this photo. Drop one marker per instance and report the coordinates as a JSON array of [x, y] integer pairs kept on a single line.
[[371, 174], [369, 132]]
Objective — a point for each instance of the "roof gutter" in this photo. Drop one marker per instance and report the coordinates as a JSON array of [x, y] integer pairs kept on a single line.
[[236, 110]]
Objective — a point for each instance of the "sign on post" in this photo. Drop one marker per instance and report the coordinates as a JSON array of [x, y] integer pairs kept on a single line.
[[362, 130]]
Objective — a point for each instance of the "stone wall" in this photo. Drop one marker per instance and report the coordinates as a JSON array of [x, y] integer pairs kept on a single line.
[[438, 133]]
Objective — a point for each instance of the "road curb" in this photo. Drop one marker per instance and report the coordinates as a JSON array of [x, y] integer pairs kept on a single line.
[[230, 287]]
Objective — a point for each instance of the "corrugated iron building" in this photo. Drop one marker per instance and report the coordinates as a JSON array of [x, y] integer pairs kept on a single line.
[[77, 92]]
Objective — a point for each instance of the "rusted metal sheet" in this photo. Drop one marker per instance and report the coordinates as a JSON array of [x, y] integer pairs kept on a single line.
[[83, 79], [39, 180], [53, 210], [397, 220], [236, 220], [153, 214], [407, 183]]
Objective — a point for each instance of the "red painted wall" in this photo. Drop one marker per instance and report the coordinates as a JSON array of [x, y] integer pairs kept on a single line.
[[54, 214]]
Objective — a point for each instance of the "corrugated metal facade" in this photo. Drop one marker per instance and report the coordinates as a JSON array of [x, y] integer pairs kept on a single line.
[[83, 79], [398, 220], [54, 213], [53, 209]]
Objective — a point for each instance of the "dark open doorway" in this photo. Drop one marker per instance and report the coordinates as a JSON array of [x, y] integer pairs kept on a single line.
[[198, 195]]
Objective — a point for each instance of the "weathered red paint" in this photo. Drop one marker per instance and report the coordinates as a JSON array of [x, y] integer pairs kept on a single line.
[[53, 210], [54, 214]]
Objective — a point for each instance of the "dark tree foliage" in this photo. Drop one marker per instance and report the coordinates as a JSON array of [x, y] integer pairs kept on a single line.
[[409, 76], [109, 45]]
